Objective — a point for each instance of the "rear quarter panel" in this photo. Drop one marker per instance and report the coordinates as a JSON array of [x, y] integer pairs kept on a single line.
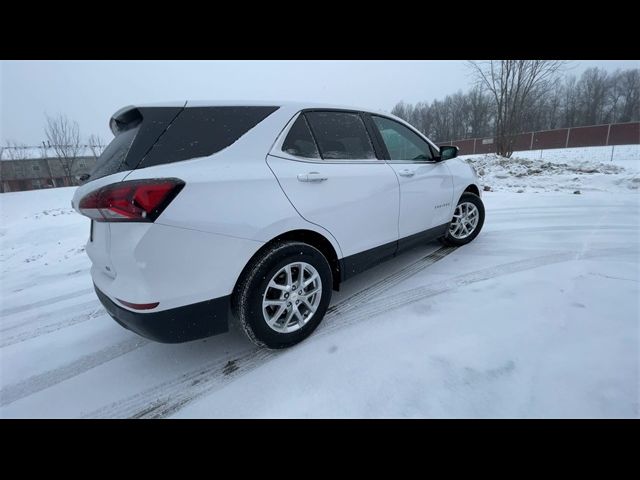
[[230, 196]]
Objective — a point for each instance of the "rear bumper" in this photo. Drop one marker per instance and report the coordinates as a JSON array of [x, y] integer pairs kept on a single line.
[[177, 325]]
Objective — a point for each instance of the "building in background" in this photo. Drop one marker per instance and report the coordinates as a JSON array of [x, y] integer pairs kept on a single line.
[[34, 170]]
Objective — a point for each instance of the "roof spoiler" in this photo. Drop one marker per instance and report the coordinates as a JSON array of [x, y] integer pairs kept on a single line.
[[125, 119], [130, 116]]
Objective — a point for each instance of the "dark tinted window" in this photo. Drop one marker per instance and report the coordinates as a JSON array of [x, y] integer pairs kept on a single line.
[[340, 135], [139, 128], [299, 140], [203, 131], [156, 135], [113, 156], [401, 142]]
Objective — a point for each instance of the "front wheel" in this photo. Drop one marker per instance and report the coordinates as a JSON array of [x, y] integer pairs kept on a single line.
[[467, 221], [283, 294]]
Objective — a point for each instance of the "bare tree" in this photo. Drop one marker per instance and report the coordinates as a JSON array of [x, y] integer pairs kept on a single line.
[[401, 110], [513, 83], [96, 145], [596, 97], [63, 136], [592, 88], [481, 114], [629, 86], [16, 151]]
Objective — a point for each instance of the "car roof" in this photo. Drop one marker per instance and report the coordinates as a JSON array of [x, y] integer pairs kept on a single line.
[[290, 106], [257, 103]]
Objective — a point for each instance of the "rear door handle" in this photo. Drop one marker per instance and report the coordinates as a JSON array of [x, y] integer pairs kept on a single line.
[[311, 177], [406, 173]]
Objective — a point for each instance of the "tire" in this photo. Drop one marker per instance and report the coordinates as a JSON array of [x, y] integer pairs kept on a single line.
[[297, 322], [455, 237]]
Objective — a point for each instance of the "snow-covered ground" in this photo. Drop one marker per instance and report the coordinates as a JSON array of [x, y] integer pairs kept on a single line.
[[538, 317], [627, 156], [570, 169]]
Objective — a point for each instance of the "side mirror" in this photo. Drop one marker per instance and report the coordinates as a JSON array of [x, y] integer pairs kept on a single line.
[[448, 152]]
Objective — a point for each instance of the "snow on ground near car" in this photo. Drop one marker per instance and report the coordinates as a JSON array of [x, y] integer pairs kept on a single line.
[[538, 317], [627, 156], [571, 169]]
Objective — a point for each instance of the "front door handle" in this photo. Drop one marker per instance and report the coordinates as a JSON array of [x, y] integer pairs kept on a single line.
[[406, 173], [311, 177]]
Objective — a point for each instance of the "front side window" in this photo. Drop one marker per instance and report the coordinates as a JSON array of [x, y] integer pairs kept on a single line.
[[401, 142], [299, 141], [341, 135]]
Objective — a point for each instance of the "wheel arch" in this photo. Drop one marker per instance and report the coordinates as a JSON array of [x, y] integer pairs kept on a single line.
[[310, 237], [472, 188]]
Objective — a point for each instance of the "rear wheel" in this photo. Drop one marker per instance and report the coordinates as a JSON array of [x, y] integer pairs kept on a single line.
[[467, 221], [283, 294]]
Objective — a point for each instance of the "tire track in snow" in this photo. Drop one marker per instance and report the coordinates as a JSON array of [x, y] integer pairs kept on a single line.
[[41, 303], [22, 323], [24, 335], [398, 300], [560, 228], [559, 207], [47, 379], [39, 382], [379, 287], [168, 397], [355, 315]]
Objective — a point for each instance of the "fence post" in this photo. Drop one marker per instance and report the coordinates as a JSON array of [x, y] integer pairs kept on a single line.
[[566, 143], [531, 145], [475, 140], [608, 132]]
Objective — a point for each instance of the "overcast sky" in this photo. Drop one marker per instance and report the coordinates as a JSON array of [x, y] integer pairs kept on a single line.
[[90, 91]]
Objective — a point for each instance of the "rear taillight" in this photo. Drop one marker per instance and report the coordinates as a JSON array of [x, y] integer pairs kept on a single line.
[[131, 201]]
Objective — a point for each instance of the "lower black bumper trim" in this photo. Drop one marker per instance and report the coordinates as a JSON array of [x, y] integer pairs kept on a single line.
[[177, 325]]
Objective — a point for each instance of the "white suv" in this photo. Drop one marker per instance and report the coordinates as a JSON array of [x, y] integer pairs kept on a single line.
[[202, 210]]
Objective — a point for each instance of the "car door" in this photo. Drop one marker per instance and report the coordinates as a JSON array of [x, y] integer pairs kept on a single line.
[[426, 186], [327, 166]]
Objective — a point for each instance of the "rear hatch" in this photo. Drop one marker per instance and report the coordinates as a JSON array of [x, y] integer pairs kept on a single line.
[[136, 130], [155, 135]]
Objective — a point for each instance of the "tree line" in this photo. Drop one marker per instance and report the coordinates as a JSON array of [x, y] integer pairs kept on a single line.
[[509, 97]]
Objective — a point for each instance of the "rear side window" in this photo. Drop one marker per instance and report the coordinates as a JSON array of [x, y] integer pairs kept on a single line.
[[299, 141], [341, 135], [203, 131]]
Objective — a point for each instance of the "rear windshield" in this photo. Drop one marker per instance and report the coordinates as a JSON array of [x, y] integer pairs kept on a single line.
[[161, 135], [113, 156]]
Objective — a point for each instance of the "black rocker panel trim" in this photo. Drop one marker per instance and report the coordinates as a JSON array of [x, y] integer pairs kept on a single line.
[[359, 262], [421, 237]]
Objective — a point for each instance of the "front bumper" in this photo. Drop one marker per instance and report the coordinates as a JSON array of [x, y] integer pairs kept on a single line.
[[177, 325]]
